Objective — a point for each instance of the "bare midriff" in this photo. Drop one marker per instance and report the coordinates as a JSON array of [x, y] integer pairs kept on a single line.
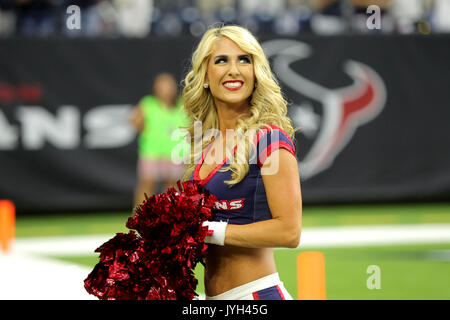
[[228, 267]]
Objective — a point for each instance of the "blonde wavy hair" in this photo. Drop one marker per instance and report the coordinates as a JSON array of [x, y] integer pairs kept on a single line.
[[267, 104]]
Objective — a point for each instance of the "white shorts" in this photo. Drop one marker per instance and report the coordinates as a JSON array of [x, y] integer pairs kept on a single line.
[[266, 288], [160, 170]]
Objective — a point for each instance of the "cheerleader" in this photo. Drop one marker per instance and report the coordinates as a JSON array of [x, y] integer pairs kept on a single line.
[[250, 164]]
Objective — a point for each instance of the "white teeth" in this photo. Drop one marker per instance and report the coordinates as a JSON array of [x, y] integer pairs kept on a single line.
[[233, 84]]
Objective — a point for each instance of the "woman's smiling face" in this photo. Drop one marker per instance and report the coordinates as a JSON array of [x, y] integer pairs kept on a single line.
[[230, 73]]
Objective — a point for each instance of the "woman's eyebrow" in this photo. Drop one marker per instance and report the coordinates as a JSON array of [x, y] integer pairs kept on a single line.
[[226, 56], [221, 56]]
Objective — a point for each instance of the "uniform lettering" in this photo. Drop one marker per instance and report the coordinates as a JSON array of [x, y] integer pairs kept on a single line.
[[227, 205]]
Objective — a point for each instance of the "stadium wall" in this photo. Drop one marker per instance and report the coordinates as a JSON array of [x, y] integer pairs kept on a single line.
[[372, 111]]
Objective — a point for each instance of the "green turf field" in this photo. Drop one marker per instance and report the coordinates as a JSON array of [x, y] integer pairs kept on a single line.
[[406, 271]]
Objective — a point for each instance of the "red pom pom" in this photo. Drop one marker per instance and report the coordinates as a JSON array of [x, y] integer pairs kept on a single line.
[[158, 262]]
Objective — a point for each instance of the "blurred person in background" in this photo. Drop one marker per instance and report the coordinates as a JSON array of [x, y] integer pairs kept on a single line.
[[97, 17], [357, 15], [155, 117], [327, 17], [260, 15], [36, 17], [88, 18], [408, 14], [134, 17], [333, 17], [440, 15]]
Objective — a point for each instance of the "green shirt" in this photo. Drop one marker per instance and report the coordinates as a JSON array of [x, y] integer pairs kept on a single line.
[[160, 122]]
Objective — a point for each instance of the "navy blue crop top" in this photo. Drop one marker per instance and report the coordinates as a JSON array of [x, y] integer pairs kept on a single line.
[[246, 201]]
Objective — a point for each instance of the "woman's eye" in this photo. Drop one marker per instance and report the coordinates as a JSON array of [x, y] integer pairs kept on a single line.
[[245, 60], [220, 60]]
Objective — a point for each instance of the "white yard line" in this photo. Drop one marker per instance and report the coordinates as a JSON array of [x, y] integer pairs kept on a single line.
[[375, 235], [30, 277], [317, 237], [28, 272]]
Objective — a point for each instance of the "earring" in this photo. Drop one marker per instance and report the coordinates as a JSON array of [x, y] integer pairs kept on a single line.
[[206, 86]]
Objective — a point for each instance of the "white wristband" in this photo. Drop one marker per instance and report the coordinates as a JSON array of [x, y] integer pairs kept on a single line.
[[216, 232]]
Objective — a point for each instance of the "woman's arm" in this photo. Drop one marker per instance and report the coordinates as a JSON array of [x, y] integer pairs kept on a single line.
[[285, 203], [137, 118]]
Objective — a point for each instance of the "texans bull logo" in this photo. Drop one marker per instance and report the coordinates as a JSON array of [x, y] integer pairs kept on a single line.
[[344, 109]]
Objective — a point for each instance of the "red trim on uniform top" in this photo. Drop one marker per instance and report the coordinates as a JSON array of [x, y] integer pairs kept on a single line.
[[205, 152], [255, 295], [197, 167], [259, 134], [287, 136], [273, 147], [281, 293], [203, 182], [262, 131]]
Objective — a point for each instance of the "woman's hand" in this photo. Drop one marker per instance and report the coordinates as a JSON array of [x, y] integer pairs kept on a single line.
[[137, 119]]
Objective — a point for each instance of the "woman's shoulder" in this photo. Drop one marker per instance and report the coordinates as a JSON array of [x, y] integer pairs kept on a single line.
[[148, 101], [271, 130], [270, 138], [179, 102]]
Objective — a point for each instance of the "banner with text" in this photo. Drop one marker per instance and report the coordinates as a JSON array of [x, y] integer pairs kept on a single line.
[[372, 113]]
